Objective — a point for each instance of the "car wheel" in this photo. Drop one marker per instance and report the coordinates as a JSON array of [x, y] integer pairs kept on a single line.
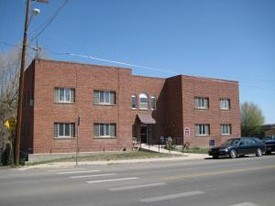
[[233, 154], [259, 152]]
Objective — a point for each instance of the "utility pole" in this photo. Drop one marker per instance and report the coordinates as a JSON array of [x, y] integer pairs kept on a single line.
[[21, 87], [21, 80]]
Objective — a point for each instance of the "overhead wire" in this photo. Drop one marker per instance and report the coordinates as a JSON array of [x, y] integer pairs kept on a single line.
[[44, 25]]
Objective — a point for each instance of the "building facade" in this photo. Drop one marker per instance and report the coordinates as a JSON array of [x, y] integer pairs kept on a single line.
[[92, 108]]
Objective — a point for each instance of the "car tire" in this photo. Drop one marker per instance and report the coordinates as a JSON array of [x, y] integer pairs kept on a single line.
[[233, 154], [259, 152]]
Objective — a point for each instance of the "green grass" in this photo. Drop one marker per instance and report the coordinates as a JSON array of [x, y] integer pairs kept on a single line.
[[108, 157], [196, 150]]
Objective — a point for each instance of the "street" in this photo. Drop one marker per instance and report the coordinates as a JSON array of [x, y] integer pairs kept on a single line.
[[247, 181]]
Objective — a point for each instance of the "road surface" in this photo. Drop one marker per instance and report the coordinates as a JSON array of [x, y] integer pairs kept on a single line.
[[247, 181]]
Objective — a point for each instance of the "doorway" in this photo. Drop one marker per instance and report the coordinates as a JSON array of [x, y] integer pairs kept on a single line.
[[143, 133]]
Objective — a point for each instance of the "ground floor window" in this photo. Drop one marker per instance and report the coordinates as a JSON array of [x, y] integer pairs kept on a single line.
[[225, 129], [202, 129], [64, 130], [104, 130]]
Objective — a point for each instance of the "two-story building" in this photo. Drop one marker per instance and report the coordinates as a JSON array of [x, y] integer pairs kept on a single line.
[[101, 108]]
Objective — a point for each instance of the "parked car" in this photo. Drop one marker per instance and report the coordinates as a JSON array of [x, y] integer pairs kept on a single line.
[[270, 145], [238, 147]]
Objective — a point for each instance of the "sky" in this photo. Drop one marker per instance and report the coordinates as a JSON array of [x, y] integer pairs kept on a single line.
[[226, 39]]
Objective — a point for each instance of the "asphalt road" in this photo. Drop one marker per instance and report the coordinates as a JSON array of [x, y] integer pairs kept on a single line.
[[245, 181]]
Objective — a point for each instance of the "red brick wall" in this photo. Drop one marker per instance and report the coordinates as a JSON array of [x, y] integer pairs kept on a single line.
[[214, 90], [85, 79], [175, 106], [150, 86]]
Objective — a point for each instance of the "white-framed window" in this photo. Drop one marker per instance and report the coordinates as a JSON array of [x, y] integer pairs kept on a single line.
[[201, 102], [64, 95], [64, 130], [202, 129], [104, 130], [153, 102], [104, 97], [225, 104], [143, 101], [134, 101], [225, 129]]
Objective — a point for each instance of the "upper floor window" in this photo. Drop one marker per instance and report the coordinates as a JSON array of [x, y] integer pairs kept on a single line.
[[64, 130], [64, 95], [225, 129], [104, 97], [201, 102], [143, 101], [134, 101], [202, 129], [225, 104], [153, 102], [104, 130]]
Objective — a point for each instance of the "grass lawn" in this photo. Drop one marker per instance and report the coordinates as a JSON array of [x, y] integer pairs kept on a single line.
[[109, 156]]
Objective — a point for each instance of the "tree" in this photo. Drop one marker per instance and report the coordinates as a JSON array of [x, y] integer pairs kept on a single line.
[[9, 74], [252, 119], [9, 86]]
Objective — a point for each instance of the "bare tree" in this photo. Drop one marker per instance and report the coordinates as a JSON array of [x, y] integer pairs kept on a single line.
[[9, 74], [252, 119]]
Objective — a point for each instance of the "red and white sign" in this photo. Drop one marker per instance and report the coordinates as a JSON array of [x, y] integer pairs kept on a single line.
[[187, 132]]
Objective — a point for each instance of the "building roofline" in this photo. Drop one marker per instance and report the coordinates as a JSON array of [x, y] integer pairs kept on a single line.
[[149, 77], [206, 78], [79, 63], [140, 76]]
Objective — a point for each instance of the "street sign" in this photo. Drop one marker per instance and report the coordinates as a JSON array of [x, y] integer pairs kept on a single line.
[[10, 123]]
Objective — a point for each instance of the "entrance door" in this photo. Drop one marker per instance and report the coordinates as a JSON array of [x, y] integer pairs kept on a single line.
[[143, 133]]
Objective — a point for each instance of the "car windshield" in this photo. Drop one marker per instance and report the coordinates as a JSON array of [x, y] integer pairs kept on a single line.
[[231, 142]]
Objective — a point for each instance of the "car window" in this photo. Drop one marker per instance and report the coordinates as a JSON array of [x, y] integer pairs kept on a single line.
[[242, 143]]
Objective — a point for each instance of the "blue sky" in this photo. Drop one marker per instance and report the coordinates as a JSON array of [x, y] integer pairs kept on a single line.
[[227, 39]]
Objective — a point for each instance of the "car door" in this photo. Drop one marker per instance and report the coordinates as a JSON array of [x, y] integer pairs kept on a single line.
[[243, 148], [251, 146]]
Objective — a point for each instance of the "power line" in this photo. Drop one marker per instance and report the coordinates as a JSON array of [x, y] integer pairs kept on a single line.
[[112, 61], [44, 25]]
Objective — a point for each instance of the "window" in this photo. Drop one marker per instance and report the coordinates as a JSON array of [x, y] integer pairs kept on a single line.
[[134, 101], [104, 97], [64, 95], [225, 104], [202, 129], [201, 102], [104, 130], [153, 102], [225, 129], [64, 130], [143, 101]]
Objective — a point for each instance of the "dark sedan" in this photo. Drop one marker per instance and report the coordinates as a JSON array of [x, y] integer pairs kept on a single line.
[[238, 147], [270, 146]]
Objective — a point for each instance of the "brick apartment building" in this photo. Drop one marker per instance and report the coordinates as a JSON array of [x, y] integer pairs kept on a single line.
[[113, 106]]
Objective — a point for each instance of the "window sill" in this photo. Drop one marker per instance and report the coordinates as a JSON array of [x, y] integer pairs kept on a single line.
[[104, 104], [63, 138], [104, 137], [201, 108], [64, 103]]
